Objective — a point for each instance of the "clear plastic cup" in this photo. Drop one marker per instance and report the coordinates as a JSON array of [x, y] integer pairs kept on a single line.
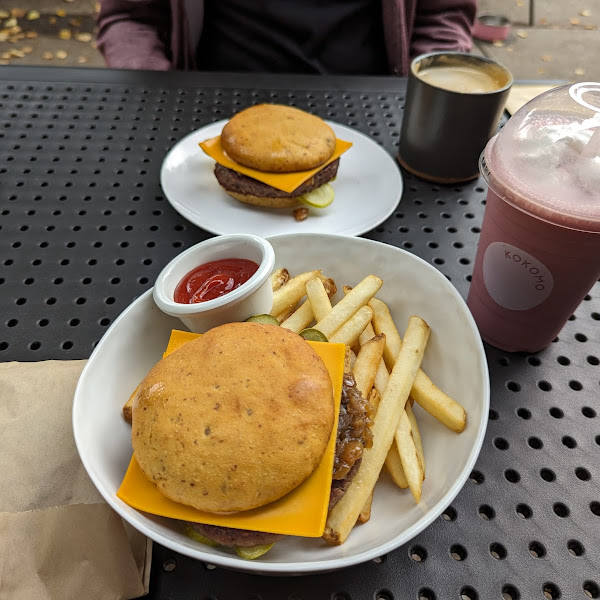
[[539, 249]]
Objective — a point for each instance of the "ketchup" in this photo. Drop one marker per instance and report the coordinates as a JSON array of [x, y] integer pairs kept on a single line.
[[214, 279]]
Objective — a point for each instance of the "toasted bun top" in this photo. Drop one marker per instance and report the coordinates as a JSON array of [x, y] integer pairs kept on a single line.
[[278, 139], [234, 419]]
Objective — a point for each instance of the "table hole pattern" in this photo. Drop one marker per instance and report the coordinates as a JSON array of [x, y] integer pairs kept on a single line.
[[85, 229]]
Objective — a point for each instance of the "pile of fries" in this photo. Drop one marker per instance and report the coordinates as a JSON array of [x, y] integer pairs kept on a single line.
[[387, 370]]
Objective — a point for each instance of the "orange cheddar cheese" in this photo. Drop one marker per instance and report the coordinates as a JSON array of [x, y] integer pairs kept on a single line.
[[302, 512], [286, 182]]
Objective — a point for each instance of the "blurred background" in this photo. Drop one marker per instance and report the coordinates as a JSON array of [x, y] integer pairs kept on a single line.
[[548, 40]]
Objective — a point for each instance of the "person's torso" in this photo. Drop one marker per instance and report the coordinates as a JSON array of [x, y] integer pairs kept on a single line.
[[293, 36]]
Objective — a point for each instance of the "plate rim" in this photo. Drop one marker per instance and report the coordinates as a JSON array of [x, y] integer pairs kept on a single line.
[[353, 231], [313, 566]]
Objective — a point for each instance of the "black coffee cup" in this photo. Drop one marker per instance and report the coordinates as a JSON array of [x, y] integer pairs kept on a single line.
[[454, 102]]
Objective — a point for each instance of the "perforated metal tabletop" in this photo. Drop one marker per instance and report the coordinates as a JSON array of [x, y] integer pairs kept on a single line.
[[85, 229]]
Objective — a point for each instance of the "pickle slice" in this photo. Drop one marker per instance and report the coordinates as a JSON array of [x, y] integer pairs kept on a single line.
[[198, 537], [319, 198], [313, 335], [253, 552], [264, 319]]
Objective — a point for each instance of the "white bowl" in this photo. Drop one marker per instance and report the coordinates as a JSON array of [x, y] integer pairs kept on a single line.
[[253, 297], [454, 359]]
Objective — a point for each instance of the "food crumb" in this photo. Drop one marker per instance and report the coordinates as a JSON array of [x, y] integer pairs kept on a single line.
[[300, 214]]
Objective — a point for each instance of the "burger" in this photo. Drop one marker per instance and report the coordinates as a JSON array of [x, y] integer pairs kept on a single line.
[[238, 418], [273, 139]]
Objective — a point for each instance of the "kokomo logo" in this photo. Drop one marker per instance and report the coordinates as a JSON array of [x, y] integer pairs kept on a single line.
[[514, 278]]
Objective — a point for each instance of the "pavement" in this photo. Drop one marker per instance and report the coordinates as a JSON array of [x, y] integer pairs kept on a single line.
[[549, 40]]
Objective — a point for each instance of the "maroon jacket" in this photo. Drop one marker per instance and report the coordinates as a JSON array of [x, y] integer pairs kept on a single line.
[[163, 34]]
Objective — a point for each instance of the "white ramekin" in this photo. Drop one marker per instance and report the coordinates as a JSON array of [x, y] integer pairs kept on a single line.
[[253, 297]]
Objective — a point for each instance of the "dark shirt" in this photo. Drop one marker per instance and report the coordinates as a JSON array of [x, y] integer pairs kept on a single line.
[[293, 36]]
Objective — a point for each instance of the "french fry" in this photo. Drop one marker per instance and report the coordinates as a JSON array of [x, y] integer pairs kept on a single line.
[[438, 404], [318, 298], [291, 293], [287, 313], [303, 316], [425, 393], [367, 362], [365, 513], [414, 427], [128, 406], [349, 360], [394, 467], [348, 333], [384, 323], [349, 305], [344, 515], [409, 457], [279, 277]]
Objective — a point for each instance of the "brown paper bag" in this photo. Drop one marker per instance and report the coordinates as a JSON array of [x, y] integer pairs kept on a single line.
[[58, 538]]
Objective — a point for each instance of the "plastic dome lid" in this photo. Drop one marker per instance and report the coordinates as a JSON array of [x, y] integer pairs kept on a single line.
[[546, 159]]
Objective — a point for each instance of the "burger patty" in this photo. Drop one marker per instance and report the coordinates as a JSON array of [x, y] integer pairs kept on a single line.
[[241, 538], [353, 435], [238, 183]]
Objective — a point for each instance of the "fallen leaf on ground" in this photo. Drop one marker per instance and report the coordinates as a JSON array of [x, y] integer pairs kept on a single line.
[[61, 12], [17, 12], [5, 55], [27, 49], [498, 44], [52, 20], [541, 71], [522, 33], [33, 15], [47, 56], [574, 21], [82, 59], [75, 22], [31, 34], [546, 58], [543, 21], [4, 14], [579, 71], [61, 54], [510, 48], [64, 34], [585, 13], [16, 53], [10, 23], [84, 37]]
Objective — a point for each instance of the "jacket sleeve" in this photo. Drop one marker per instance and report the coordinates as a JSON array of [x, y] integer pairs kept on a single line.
[[443, 25], [134, 34]]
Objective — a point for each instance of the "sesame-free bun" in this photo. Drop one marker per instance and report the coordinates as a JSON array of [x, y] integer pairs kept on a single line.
[[234, 419], [278, 139]]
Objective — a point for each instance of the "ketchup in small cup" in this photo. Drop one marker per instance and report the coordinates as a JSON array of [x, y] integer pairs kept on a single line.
[[214, 279], [220, 280]]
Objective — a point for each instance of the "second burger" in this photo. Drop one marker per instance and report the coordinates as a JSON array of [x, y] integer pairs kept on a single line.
[[277, 156]]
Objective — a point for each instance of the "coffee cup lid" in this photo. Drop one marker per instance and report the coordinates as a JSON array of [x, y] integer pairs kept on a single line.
[[546, 159]]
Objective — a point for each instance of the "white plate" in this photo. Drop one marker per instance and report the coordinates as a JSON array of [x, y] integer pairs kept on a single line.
[[454, 359], [368, 188]]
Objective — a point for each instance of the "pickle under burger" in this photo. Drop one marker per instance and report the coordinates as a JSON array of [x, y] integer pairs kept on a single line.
[[273, 138]]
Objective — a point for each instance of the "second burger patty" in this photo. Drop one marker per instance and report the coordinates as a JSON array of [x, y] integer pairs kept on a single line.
[[242, 184], [353, 435]]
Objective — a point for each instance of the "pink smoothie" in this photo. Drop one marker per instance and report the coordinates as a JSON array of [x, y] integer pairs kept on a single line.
[[539, 249]]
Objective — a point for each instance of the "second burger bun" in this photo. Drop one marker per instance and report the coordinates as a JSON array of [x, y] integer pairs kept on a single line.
[[278, 139], [234, 419]]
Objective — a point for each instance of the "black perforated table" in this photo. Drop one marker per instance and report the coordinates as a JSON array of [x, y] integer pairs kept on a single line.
[[85, 229]]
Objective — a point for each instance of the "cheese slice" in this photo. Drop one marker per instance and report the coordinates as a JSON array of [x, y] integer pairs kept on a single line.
[[286, 182], [302, 512]]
